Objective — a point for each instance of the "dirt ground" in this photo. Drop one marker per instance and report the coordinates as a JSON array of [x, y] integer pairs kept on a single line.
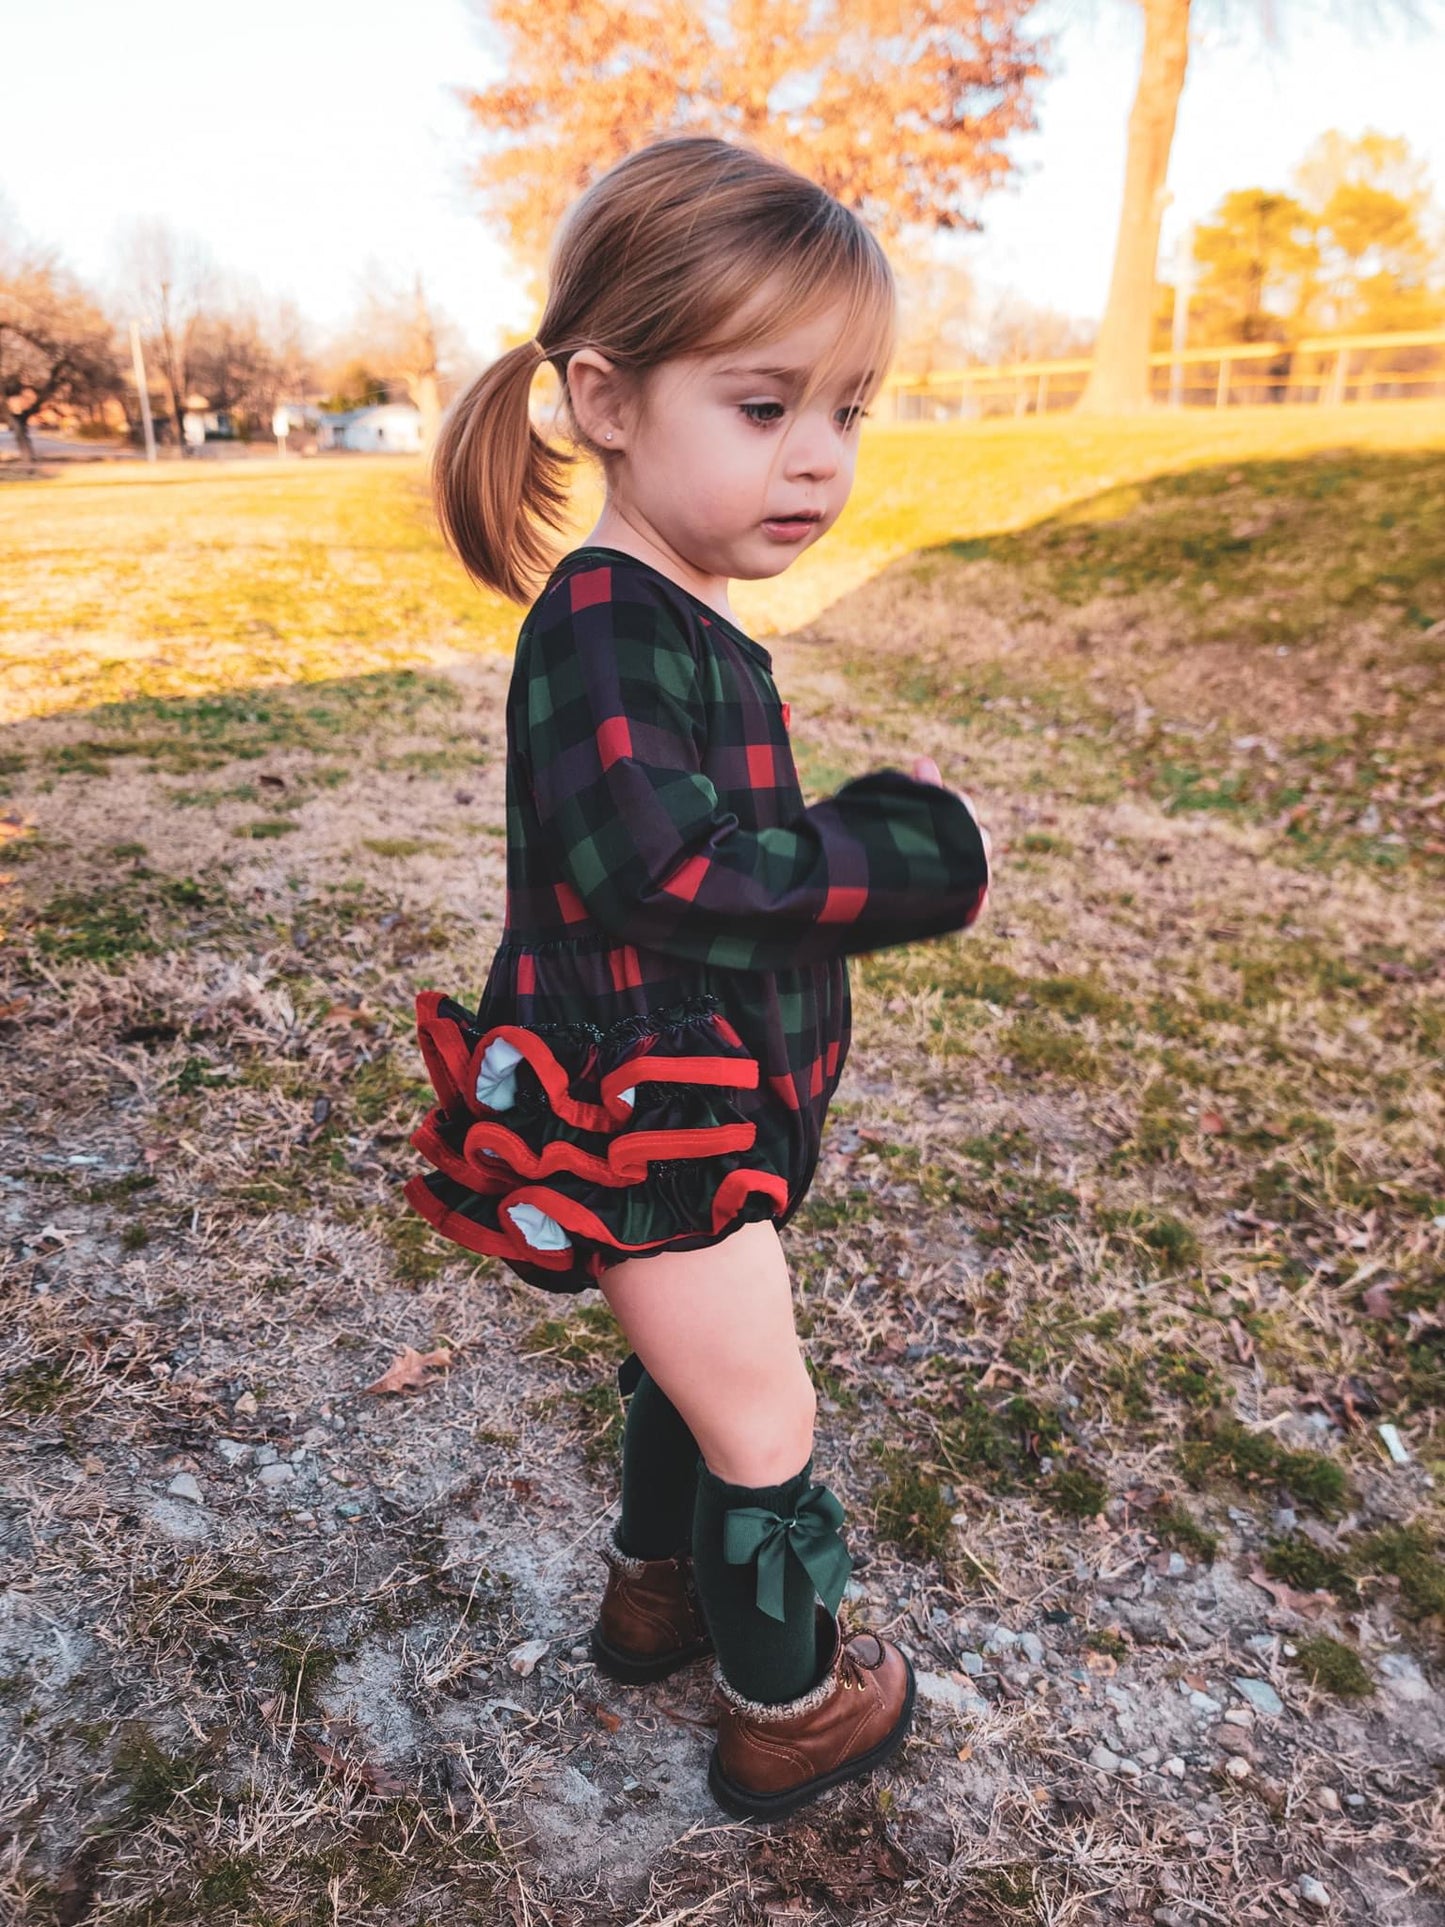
[[1122, 1282]]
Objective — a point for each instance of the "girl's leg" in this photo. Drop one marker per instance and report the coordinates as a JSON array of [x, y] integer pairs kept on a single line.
[[659, 1475], [715, 1331]]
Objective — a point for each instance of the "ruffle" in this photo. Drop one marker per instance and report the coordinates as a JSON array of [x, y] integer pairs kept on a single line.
[[562, 1147]]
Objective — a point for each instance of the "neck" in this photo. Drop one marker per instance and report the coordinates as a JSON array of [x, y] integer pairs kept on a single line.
[[612, 531]]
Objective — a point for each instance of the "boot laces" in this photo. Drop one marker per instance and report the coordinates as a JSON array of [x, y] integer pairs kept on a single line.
[[850, 1673]]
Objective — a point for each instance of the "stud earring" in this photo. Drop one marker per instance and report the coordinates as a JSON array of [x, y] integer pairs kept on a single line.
[[609, 434]]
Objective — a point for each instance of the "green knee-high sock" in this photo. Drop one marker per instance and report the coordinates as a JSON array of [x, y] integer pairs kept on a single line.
[[761, 1658], [659, 1475]]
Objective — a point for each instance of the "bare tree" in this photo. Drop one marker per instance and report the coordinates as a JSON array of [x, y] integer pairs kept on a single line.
[[171, 280], [249, 354], [400, 337], [56, 346], [937, 304], [1014, 329]]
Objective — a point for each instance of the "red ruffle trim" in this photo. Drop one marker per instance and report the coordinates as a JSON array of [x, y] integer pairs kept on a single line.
[[575, 1218], [493, 1161], [453, 1069]]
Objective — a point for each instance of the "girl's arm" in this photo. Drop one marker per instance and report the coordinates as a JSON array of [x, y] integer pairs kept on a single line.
[[615, 722]]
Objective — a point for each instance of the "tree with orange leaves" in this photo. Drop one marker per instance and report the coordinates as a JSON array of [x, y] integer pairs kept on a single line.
[[901, 109]]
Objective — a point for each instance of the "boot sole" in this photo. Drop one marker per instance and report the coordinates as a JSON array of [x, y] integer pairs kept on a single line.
[[632, 1669], [743, 1804]]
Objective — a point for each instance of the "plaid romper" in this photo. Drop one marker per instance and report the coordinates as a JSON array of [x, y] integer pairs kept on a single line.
[[667, 1014]]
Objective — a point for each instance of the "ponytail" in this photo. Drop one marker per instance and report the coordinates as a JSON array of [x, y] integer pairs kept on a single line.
[[690, 245], [497, 484]]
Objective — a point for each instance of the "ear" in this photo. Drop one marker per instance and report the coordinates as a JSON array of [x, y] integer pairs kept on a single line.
[[594, 390]]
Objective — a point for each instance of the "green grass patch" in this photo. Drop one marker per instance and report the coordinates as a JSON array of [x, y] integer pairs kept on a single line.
[[1411, 1556], [909, 1506], [43, 1386], [267, 828], [229, 1882], [1177, 1527], [1103, 1639], [1035, 1048], [418, 1254], [1334, 1667], [1042, 843], [1076, 997], [1165, 1244], [152, 1779], [183, 734], [385, 1087], [589, 1336], [1017, 1445], [398, 846], [140, 912], [303, 1666], [602, 1423], [1300, 1563], [1226, 1449]]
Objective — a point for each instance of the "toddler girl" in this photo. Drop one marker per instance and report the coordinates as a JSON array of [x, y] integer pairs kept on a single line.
[[637, 1101]]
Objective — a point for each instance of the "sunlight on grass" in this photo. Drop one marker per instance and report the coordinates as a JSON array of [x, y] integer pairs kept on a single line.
[[120, 582], [922, 484]]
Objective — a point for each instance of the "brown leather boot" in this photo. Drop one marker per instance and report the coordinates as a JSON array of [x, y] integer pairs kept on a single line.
[[651, 1619], [770, 1758]]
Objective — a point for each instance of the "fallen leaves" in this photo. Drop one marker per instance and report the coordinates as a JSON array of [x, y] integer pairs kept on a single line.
[[1377, 1302], [409, 1370], [353, 1015], [364, 1772], [523, 1659], [1309, 1605]]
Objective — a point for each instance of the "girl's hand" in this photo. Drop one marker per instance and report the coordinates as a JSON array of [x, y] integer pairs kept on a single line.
[[925, 770]]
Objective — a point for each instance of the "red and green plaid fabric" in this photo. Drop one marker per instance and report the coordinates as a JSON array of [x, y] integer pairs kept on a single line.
[[667, 1015]]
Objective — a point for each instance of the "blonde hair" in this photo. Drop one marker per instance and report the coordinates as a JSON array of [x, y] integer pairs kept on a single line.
[[663, 255]]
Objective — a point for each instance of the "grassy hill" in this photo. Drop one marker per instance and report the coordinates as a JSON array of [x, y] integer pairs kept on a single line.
[[1128, 1235]]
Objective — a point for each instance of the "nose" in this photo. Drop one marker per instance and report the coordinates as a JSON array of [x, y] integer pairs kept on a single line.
[[811, 450]]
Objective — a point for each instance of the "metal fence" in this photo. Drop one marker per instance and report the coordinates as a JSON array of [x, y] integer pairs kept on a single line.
[[1405, 366]]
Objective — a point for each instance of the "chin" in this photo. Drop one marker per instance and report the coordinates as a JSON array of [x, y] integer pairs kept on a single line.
[[766, 570], [777, 558]]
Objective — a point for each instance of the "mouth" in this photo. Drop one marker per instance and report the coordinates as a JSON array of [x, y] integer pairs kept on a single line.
[[792, 528]]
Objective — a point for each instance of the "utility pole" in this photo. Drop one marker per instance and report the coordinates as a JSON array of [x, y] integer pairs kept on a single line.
[[139, 361], [1183, 288]]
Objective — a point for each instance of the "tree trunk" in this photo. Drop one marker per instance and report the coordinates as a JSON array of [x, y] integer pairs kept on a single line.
[[177, 379], [178, 416], [428, 399], [19, 426], [1119, 379]]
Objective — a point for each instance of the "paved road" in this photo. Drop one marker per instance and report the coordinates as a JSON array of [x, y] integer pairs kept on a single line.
[[52, 448]]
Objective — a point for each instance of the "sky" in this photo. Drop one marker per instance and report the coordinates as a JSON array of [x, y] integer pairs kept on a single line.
[[310, 141]]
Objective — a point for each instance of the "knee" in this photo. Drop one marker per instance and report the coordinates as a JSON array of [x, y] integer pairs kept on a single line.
[[767, 1442]]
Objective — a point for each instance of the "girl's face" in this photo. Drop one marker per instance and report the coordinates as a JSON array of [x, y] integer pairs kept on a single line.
[[721, 467]]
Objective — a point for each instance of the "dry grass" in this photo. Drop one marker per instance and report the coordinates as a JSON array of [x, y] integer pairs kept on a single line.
[[1126, 1238]]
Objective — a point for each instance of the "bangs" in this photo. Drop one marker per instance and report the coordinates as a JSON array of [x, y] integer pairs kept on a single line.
[[840, 269]]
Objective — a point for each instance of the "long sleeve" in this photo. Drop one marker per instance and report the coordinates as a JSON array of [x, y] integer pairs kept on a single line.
[[616, 724]]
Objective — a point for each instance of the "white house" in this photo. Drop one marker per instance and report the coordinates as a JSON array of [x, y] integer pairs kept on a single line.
[[390, 428]]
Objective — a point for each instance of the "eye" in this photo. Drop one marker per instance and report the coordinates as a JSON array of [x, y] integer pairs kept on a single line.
[[750, 409]]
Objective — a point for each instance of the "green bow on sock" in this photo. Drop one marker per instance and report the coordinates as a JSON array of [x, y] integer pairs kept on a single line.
[[812, 1533]]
